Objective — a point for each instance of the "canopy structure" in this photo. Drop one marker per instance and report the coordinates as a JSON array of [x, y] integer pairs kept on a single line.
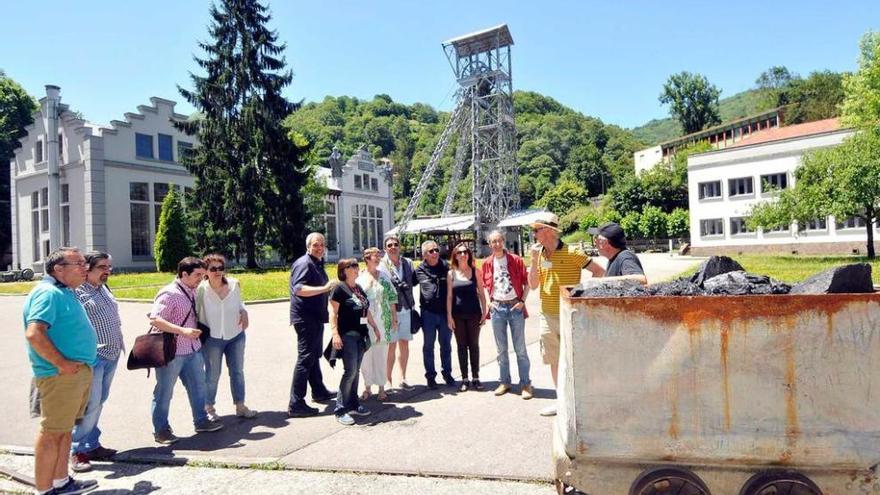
[[441, 225], [520, 218]]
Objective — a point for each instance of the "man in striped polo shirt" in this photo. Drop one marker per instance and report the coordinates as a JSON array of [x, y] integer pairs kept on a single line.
[[553, 265]]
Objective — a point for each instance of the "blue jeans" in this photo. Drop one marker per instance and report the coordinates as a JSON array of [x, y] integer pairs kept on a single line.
[[86, 434], [191, 370], [502, 317], [353, 348], [214, 350], [432, 325]]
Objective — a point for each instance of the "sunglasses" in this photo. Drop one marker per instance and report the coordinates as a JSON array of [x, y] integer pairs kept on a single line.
[[217, 268], [433, 251], [464, 251], [392, 244]]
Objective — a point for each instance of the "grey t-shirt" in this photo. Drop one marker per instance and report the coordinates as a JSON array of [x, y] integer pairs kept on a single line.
[[625, 263]]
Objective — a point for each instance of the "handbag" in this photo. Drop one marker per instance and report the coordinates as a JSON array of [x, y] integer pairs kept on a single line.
[[154, 349], [200, 303], [415, 321]]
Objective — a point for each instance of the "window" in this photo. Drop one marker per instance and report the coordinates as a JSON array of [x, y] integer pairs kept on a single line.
[[139, 197], [818, 224], [184, 150], [44, 209], [712, 226], [143, 144], [166, 147], [738, 226], [357, 182], [852, 222], [367, 226], [40, 223], [777, 229], [38, 151], [740, 187], [710, 189], [330, 225], [160, 190], [35, 224], [774, 182], [61, 149], [65, 215], [374, 185]]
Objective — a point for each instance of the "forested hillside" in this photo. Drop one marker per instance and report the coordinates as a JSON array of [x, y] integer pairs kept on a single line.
[[555, 143]]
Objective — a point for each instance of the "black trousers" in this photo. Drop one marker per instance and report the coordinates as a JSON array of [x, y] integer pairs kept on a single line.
[[309, 337], [467, 341]]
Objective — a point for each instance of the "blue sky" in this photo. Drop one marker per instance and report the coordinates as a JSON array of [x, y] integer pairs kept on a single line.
[[607, 59]]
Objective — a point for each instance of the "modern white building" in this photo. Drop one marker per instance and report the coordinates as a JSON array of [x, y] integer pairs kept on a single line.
[[723, 185], [360, 204], [75, 183]]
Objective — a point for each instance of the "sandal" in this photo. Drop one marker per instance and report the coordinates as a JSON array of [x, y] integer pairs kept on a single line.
[[366, 395], [382, 396]]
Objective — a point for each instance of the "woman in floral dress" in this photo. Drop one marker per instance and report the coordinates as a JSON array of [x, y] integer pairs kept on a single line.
[[383, 308]]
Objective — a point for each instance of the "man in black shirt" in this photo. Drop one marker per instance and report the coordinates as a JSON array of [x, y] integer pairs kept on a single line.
[[431, 275], [610, 240]]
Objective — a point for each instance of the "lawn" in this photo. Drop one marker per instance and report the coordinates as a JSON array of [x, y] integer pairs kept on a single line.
[[793, 269]]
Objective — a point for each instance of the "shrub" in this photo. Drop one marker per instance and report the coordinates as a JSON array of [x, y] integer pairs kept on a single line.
[[172, 243]]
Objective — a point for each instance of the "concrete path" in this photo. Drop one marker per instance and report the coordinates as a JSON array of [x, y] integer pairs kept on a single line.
[[424, 432]]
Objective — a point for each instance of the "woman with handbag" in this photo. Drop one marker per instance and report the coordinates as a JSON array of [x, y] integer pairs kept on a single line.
[[466, 312], [383, 308], [223, 320], [349, 317]]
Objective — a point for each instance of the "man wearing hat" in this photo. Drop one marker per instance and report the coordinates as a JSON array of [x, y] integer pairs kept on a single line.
[[553, 265], [610, 241]]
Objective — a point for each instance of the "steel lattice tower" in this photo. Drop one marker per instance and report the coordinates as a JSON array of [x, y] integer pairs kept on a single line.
[[483, 120]]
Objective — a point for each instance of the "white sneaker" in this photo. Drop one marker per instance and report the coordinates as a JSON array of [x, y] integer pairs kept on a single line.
[[548, 411]]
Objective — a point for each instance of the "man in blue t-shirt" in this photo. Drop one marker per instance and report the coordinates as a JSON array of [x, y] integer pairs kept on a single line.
[[62, 347]]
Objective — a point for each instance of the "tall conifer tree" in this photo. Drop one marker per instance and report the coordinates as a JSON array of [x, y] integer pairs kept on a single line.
[[249, 173]]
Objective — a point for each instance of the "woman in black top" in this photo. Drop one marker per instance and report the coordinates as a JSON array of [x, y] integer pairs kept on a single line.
[[466, 312], [349, 317]]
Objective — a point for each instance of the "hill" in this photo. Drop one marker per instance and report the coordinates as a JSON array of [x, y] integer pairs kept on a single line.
[[740, 105]]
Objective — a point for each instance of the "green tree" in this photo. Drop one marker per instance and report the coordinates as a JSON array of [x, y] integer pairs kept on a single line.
[[564, 197], [249, 174], [817, 97], [861, 105], [843, 181], [772, 82], [652, 223], [172, 242], [590, 219], [16, 112], [693, 101], [678, 223], [632, 225]]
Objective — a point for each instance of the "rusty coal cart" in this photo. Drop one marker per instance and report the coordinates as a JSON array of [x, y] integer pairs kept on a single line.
[[719, 395]]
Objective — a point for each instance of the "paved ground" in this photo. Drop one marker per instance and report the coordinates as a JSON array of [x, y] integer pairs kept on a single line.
[[430, 433]]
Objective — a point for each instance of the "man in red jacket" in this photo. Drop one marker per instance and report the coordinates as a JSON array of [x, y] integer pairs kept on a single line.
[[504, 276]]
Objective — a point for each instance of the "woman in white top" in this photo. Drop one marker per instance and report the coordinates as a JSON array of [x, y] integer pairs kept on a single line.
[[383, 308], [220, 307]]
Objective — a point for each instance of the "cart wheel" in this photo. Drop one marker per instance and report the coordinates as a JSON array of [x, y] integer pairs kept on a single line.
[[671, 481], [780, 482], [27, 274]]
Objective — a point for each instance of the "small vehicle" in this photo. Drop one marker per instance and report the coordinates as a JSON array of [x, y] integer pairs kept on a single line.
[[719, 395], [25, 275]]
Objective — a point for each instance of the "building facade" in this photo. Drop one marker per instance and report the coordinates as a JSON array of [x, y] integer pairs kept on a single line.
[[723, 186], [360, 204], [93, 186]]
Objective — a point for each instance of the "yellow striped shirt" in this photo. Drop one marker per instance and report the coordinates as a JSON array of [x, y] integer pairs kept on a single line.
[[565, 265]]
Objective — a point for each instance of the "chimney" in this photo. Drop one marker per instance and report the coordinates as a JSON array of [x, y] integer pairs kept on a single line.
[[50, 119]]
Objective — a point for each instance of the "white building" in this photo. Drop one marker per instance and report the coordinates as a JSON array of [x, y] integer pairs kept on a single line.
[[108, 185], [360, 206], [724, 184], [110, 182]]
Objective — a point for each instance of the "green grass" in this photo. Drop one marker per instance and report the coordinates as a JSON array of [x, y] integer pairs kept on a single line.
[[265, 284], [792, 269]]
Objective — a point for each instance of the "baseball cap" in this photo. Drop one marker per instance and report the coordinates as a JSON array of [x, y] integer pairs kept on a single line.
[[611, 231]]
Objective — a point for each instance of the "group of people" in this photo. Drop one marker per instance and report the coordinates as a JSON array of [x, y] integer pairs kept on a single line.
[[74, 334], [73, 330]]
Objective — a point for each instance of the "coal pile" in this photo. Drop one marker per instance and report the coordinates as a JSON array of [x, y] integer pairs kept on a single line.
[[722, 276]]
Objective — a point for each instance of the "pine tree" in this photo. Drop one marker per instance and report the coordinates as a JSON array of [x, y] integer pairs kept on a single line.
[[249, 173], [172, 242]]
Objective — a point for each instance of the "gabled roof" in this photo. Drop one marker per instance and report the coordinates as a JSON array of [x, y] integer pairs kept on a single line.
[[789, 132]]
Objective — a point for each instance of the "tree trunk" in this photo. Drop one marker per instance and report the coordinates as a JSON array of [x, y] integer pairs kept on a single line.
[[869, 220]]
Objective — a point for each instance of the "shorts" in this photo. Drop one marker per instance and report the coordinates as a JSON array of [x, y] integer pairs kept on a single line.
[[549, 325], [63, 399], [404, 327]]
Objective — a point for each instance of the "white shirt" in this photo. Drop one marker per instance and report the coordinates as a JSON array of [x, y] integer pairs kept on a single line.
[[223, 316], [503, 287]]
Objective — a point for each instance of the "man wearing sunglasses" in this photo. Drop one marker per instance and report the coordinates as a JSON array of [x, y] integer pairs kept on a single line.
[[399, 270], [431, 275]]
